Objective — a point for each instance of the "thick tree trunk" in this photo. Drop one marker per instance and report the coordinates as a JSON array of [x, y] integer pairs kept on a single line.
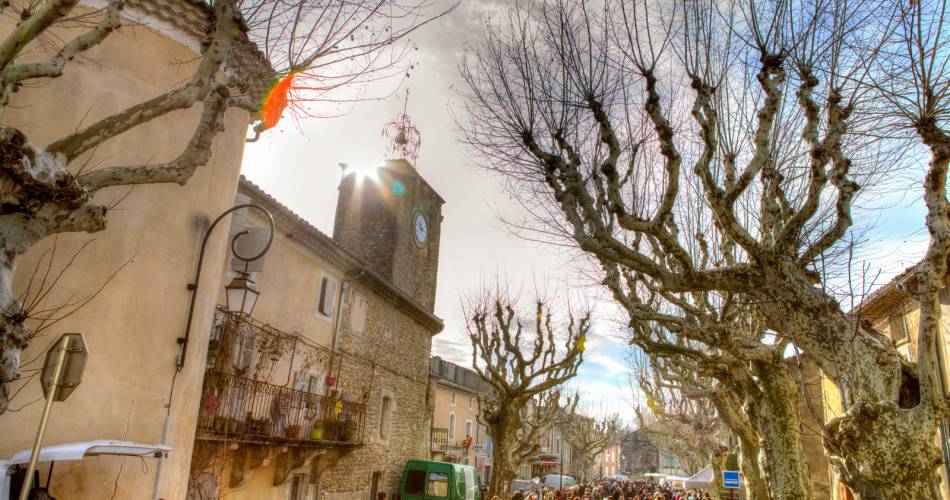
[[729, 408], [14, 335], [504, 471], [749, 456], [886, 452], [883, 444], [504, 467], [780, 427]]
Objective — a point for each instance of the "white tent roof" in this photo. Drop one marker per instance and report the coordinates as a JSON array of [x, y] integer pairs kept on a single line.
[[77, 451], [701, 479]]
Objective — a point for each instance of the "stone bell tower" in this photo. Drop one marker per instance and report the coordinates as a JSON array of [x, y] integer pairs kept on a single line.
[[392, 222]]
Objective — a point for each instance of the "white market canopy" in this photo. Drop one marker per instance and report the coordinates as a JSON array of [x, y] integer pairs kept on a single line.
[[701, 479], [80, 450]]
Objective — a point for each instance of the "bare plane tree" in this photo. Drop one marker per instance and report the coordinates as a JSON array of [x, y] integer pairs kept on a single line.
[[525, 363], [312, 47], [711, 153], [589, 436], [682, 418]]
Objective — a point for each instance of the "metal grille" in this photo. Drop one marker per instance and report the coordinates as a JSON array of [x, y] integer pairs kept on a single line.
[[241, 407]]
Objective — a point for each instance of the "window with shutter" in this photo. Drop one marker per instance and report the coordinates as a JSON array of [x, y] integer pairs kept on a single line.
[[898, 326], [244, 350], [327, 293]]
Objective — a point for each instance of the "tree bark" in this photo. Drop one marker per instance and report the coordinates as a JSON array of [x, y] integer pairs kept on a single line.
[[39, 198], [729, 408], [504, 469], [780, 424]]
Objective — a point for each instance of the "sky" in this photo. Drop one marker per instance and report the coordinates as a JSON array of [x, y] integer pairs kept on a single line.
[[297, 162]]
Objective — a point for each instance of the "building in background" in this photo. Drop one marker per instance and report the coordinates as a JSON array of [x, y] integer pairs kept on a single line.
[[607, 462], [456, 434], [638, 455], [322, 391], [555, 455]]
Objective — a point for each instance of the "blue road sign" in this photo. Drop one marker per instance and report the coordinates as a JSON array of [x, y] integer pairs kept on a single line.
[[730, 479]]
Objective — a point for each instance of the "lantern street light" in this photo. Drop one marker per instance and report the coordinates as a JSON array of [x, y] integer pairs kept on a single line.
[[241, 294]]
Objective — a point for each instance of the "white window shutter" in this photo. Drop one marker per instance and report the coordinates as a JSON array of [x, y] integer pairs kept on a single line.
[[329, 291]]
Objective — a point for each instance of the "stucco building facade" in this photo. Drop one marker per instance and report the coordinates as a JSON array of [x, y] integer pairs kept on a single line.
[[456, 435], [142, 261]]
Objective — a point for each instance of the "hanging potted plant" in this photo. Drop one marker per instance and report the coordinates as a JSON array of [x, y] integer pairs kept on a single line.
[[293, 431]]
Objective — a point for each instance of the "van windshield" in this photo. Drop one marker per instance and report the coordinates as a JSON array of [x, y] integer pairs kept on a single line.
[[415, 482]]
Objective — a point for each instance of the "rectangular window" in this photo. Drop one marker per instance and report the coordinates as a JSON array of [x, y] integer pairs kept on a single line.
[[415, 482], [385, 414], [438, 484], [325, 299], [468, 428], [309, 381], [358, 314], [453, 399], [898, 326], [471, 402]]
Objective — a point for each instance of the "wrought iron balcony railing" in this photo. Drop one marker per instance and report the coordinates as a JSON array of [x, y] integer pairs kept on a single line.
[[240, 408], [440, 442]]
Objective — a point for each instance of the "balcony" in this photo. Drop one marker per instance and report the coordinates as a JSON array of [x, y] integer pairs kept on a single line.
[[441, 443], [241, 409], [241, 402]]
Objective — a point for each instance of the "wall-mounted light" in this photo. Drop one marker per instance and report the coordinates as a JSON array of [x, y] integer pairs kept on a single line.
[[241, 294]]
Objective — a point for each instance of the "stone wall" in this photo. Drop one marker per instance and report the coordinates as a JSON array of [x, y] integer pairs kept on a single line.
[[399, 347]]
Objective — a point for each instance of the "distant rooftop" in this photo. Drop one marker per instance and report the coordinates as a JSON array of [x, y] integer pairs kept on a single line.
[[457, 376]]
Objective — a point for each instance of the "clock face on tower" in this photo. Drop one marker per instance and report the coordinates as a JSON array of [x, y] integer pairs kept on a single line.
[[420, 229]]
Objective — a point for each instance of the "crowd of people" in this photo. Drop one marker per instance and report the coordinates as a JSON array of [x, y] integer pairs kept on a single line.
[[612, 490]]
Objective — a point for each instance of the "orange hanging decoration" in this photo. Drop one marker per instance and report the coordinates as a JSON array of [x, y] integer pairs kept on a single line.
[[276, 101]]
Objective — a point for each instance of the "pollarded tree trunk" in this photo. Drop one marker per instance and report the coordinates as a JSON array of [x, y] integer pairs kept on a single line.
[[886, 452], [756, 484], [729, 409], [882, 446], [504, 432], [718, 463], [780, 425]]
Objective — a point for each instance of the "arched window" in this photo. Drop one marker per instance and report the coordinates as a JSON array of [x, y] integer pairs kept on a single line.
[[452, 426], [385, 415]]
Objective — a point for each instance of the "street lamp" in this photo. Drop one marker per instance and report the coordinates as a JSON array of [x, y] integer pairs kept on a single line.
[[241, 294]]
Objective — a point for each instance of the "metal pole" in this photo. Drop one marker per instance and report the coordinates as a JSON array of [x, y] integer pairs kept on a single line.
[[161, 459], [38, 442], [561, 460]]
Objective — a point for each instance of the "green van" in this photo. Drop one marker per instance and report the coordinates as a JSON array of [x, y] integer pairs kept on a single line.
[[427, 479]]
